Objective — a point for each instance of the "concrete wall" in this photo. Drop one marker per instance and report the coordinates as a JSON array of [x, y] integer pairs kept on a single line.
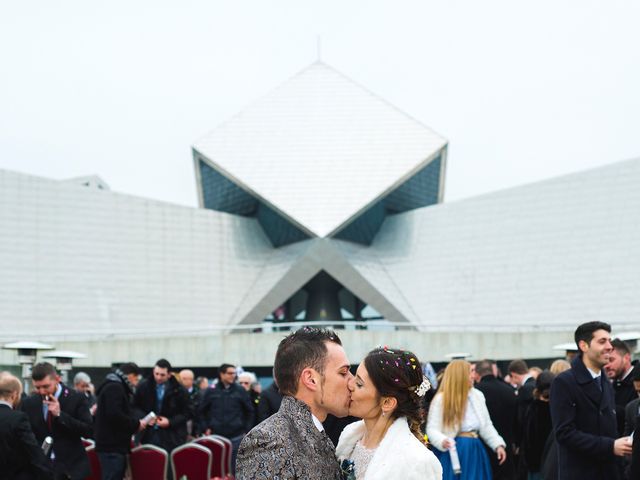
[[258, 349]]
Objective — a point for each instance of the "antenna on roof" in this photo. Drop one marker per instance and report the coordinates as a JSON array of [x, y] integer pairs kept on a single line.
[[319, 47]]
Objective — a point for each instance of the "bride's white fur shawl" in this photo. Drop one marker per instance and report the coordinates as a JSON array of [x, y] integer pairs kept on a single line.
[[399, 455]]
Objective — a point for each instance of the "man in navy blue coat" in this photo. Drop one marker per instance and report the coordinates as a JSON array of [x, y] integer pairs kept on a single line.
[[583, 411]]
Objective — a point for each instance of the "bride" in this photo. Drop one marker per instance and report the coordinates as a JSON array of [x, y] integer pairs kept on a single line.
[[387, 443]]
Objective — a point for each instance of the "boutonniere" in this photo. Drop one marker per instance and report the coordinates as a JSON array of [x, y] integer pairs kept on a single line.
[[348, 470]]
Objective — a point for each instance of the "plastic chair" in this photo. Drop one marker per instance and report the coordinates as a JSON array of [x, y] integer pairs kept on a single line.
[[148, 462], [218, 453], [227, 454], [94, 461], [191, 460]]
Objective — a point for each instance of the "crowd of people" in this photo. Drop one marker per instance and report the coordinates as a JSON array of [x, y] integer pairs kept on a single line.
[[318, 420]]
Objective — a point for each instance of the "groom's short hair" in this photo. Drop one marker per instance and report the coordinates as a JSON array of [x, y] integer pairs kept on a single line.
[[304, 348]]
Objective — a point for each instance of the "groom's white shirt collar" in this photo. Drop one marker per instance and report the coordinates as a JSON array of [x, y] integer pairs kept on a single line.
[[317, 423]]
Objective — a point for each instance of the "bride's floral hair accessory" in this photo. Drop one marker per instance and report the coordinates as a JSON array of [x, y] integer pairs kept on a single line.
[[403, 360], [424, 387], [397, 373]]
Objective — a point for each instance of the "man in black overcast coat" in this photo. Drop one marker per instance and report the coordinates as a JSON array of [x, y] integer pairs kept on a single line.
[[632, 408], [163, 395], [21, 457], [60, 412], [270, 401], [583, 411], [620, 372], [501, 403], [634, 469]]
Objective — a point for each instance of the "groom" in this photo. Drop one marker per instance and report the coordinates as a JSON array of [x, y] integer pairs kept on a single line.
[[312, 372]]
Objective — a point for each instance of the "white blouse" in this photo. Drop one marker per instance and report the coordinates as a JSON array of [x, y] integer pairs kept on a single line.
[[438, 433], [361, 457], [471, 420]]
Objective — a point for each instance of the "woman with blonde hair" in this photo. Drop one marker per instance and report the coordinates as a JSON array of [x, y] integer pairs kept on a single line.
[[458, 418], [559, 366]]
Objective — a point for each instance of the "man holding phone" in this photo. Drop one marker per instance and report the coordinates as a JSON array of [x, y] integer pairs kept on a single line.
[[169, 401], [59, 412]]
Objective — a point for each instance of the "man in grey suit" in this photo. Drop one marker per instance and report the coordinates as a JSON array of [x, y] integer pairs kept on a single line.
[[312, 373]]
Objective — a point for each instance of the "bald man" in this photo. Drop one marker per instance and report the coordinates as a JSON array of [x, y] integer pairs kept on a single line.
[[186, 377], [21, 458]]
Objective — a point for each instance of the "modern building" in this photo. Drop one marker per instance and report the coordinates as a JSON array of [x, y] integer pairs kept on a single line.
[[319, 202]]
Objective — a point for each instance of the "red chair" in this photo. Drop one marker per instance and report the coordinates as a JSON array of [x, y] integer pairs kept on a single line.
[[218, 453], [227, 454], [191, 460], [148, 462], [94, 461]]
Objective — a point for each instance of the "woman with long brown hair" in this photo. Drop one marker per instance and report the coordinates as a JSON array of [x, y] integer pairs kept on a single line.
[[387, 394], [458, 418]]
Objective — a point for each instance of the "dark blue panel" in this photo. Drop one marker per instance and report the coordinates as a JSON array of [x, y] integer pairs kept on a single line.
[[220, 193], [364, 228], [279, 230], [418, 191]]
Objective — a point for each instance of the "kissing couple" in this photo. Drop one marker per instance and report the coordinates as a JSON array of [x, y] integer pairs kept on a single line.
[[311, 370]]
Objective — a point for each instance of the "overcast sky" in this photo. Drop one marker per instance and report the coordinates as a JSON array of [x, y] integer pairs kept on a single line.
[[522, 90]]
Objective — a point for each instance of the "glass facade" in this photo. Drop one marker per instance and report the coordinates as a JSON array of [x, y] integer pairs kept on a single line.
[[279, 230], [221, 194], [420, 190]]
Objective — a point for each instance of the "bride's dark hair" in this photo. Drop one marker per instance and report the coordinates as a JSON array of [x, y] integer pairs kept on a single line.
[[398, 373]]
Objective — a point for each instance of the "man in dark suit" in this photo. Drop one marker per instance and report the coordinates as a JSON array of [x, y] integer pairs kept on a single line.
[[21, 457], [187, 379], [60, 412], [632, 410], [634, 468], [501, 403], [519, 372], [583, 411], [270, 401], [227, 410], [620, 372], [163, 395], [312, 371]]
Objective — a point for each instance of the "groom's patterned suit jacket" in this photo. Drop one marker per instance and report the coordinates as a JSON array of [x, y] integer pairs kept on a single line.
[[287, 446]]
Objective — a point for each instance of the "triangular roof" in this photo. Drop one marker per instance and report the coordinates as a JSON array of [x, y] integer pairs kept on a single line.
[[291, 267], [320, 149]]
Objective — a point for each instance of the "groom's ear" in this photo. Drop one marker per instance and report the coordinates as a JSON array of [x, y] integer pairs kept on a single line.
[[308, 379]]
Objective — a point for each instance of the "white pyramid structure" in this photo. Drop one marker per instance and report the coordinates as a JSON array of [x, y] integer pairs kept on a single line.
[[320, 151]]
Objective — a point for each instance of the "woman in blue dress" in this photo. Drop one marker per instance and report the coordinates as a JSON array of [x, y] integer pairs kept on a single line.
[[458, 420]]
